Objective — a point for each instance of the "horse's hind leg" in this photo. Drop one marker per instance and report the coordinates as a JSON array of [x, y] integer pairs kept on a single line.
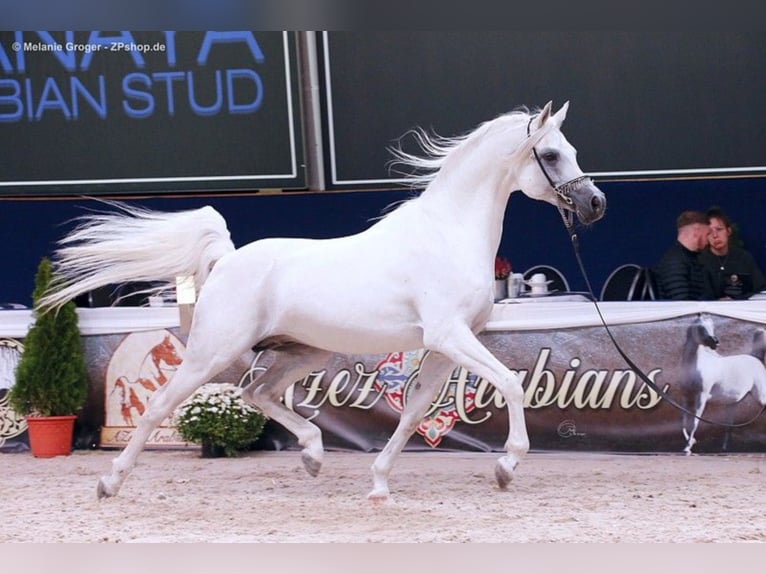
[[292, 363], [727, 429], [462, 347], [208, 352], [433, 371], [190, 376]]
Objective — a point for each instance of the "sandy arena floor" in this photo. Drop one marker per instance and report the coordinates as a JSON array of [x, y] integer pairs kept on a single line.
[[175, 496]]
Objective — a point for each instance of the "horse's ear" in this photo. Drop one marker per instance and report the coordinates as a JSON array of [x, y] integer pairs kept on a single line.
[[543, 116], [561, 115]]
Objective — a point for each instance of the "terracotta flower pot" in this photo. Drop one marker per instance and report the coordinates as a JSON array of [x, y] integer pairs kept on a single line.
[[51, 436]]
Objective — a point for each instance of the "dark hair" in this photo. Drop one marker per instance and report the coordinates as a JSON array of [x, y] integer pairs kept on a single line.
[[718, 213], [691, 217]]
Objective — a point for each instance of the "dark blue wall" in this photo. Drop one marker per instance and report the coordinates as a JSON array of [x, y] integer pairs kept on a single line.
[[639, 224], [30, 228]]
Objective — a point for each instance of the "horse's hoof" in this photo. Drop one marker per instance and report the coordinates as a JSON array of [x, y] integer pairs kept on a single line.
[[311, 464], [378, 496], [504, 472], [101, 490]]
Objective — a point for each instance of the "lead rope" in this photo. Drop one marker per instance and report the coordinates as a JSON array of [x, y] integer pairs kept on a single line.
[[563, 195], [568, 223]]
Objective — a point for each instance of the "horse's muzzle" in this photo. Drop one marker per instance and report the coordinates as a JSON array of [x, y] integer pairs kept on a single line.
[[598, 204], [590, 204]]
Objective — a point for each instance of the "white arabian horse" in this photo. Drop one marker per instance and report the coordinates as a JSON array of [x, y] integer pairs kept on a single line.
[[707, 376], [420, 277]]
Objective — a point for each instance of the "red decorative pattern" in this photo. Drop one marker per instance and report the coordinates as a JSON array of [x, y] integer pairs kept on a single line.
[[396, 373]]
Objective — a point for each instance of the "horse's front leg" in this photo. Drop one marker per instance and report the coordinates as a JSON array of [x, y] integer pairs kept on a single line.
[[461, 346], [434, 370], [698, 408], [687, 419]]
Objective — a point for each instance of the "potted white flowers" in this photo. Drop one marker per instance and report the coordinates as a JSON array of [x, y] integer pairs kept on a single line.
[[217, 418]]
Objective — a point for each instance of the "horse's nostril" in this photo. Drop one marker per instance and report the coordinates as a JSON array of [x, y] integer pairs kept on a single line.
[[597, 203]]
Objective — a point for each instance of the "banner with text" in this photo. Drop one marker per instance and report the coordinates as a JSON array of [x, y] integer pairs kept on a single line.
[[579, 394], [94, 112]]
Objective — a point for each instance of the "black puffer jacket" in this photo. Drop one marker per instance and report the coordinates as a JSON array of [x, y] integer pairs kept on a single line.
[[681, 276]]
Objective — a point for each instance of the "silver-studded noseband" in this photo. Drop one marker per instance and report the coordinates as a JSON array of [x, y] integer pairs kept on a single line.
[[563, 190]]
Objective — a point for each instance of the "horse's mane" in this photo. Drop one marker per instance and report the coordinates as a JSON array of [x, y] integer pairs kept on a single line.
[[421, 169], [689, 353], [695, 335]]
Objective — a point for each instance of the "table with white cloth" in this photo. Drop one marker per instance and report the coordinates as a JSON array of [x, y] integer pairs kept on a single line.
[[579, 394]]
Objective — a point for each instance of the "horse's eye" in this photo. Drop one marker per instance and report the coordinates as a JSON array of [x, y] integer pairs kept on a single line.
[[550, 156]]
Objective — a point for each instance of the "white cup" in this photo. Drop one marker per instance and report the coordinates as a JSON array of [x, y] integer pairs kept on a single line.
[[538, 284]]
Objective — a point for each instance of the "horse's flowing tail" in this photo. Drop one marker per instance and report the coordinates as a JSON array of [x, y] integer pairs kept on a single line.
[[137, 244]]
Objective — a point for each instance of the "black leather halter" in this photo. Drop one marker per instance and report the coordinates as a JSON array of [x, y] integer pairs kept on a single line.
[[563, 190]]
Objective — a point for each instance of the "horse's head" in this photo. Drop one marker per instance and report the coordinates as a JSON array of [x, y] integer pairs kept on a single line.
[[166, 352], [702, 332], [549, 170]]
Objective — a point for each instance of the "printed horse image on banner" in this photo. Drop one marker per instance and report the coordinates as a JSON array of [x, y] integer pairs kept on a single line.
[[709, 377], [142, 364]]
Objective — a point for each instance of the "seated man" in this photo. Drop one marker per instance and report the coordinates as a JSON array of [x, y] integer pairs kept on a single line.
[[680, 275], [735, 273]]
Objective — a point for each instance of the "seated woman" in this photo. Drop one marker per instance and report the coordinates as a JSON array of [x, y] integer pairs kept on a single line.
[[735, 273]]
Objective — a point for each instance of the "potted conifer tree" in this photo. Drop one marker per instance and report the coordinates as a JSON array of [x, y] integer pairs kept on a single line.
[[51, 382]]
